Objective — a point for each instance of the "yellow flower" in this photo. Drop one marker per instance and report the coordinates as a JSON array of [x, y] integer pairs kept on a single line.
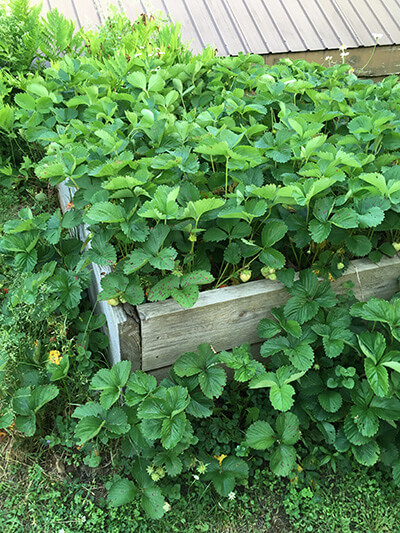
[[55, 357], [220, 458]]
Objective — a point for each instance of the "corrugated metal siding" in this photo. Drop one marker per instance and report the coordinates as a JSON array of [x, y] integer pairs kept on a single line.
[[260, 26]]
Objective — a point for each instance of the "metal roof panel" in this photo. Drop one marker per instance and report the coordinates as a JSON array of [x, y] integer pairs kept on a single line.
[[260, 26]]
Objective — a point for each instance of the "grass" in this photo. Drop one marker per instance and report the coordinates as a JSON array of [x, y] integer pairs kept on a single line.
[[41, 491], [27, 195]]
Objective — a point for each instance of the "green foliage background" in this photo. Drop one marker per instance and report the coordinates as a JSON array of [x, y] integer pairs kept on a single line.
[[195, 171]]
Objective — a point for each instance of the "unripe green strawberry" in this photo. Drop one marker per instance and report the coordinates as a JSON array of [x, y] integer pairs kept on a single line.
[[245, 275], [113, 301], [41, 197], [265, 271], [122, 300], [192, 238], [396, 246], [272, 276], [340, 266]]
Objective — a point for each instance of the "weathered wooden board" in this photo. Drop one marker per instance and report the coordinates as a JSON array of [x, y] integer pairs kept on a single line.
[[229, 316], [122, 330]]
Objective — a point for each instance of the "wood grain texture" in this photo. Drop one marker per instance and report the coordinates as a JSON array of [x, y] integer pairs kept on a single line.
[[229, 316]]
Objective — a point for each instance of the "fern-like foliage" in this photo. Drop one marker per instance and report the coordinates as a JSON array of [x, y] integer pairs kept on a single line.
[[20, 31], [57, 36]]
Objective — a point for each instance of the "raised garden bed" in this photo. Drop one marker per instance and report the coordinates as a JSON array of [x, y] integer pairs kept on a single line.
[[153, 335]]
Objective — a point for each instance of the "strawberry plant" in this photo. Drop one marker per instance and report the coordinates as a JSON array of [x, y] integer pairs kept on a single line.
[[329, 395], [217, 165]]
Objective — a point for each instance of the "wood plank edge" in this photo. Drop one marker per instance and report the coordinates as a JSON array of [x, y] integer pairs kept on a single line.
[[114, 315], [149, 311]]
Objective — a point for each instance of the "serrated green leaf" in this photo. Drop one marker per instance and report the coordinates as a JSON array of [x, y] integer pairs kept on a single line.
[[367, 454], [358, 245], [345, 218], [112, 284], [372, 345], [272, 258], [377, 376], [287, 427], [141, 383], [153, 502], [186, 296], [260, 435], [197, 277], [106, 255], [41, 395], [232, 253], [272, 232], [396, 473], [120, 373], [6, 420], [198, 208], [366, 420], [333, 347], [89, 409], [151, 429], [122, 492], [137, 79], [352, 432], [214, 235], [268, 328], [134, 294], [117, 421], [224, 476], [88, 427], [281, 397], [136, 260], [301, 356], [199, 406], [283, 460], [25, 101], [105, 212], [26, 424], [172, 430], [165, 259], [212, 381], [330, 400], [319, 231]]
